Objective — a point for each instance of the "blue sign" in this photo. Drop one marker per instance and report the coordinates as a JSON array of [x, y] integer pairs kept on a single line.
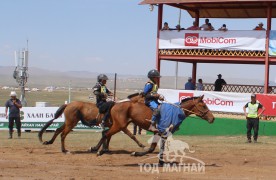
[[272, 43]]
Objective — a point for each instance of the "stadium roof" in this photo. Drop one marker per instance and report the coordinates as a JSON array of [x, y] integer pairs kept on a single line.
[[221, 8]]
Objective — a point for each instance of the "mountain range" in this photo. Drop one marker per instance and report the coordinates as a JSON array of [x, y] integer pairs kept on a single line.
[[41, 78]]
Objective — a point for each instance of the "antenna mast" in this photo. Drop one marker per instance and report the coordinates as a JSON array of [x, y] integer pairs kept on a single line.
[[20, 73]]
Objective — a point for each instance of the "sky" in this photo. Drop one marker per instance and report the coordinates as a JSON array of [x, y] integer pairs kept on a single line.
[[103, 36]]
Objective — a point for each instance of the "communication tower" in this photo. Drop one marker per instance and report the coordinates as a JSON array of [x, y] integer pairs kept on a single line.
[[20, 73]]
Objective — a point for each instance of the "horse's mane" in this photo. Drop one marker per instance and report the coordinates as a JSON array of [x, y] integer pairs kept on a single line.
[[135, 94], [189, 98]]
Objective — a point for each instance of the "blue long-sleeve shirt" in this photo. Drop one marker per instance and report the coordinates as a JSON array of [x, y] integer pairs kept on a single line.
[[189, 86]]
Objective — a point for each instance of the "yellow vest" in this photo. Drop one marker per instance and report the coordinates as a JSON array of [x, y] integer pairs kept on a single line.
[[103, 89], [253, 110], [154, 87]]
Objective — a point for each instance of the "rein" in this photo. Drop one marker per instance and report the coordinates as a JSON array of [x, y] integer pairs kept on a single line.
[[192, 112], [202, 113]]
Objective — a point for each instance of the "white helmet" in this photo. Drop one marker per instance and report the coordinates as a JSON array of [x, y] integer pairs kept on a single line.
[[13, 93]]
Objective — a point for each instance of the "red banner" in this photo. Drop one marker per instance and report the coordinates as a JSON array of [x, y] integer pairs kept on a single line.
[[183, 95], [269, 102]]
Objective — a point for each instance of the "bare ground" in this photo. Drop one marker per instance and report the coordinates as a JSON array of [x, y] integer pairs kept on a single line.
[[227, 157]]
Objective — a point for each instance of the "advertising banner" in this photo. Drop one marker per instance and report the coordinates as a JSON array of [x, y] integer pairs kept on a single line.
[[34, 118], [222, 101], [272, 43], [269, 102], [229, 40]]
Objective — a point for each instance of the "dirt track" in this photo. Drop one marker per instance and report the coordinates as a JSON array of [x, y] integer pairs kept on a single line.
[[224, 158]]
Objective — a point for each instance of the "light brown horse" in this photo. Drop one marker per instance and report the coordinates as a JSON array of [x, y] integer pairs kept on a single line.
[[86, 113], [138, 113]]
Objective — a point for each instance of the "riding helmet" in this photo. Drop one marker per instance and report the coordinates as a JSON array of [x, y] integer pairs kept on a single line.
[[153, 73], [102, 77]]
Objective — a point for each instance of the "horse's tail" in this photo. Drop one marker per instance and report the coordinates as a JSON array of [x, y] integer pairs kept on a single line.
[[57, 115]]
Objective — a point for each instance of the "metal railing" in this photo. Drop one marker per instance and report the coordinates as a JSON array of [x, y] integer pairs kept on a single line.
[[240, 88]]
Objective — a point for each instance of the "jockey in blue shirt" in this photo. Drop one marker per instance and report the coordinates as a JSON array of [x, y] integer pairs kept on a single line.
[[152, 97]]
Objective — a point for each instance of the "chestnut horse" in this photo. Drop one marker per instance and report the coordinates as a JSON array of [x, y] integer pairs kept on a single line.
[[138, 113], [87, 113]]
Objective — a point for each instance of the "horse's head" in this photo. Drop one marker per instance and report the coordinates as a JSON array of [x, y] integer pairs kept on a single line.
[[195, 105], [137, 97]]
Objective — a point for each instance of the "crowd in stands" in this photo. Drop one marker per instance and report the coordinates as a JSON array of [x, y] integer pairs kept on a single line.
[[207, 26], [192, 85]]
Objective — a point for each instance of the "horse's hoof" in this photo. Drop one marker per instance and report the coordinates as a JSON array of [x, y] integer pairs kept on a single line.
[[133, 153], [45, 143], [66, 152], [99, 153], [145, 148], [93, 149], [106, 151], [142, 146]]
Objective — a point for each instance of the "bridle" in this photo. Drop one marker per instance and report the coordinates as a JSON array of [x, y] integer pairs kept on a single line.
[[201, 114]]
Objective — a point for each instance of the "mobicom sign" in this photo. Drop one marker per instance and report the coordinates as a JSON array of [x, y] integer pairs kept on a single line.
[[193, 39], [207, 100]]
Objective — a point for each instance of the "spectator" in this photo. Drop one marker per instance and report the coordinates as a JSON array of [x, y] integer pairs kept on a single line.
[[194, 26], [189, 85], [219, 83], [178, 27], [223, 28], [200, 86], [210, 27], [135, 129], [259, 27], [205, 26], [252, 117], [165, 27], [13, 105]]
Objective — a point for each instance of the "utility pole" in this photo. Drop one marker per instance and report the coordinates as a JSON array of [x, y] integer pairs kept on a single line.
[[69, 92]]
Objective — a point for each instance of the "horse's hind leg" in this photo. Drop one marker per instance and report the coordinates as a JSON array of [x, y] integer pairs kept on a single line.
[[57, 132], [64, 133], [125, 130]]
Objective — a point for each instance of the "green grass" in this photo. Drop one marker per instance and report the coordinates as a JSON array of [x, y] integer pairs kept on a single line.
[[57, 97]]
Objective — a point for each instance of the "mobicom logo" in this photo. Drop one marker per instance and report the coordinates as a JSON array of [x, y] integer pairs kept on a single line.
[[191, 39], [185, 95], [218, 102], [217, 40]]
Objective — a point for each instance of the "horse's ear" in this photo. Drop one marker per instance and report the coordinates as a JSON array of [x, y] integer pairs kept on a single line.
[[201, 97]]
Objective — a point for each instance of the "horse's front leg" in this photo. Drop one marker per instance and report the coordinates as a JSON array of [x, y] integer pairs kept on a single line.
[[150, 150], [107, 135], [97, 147], [127, 132]]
